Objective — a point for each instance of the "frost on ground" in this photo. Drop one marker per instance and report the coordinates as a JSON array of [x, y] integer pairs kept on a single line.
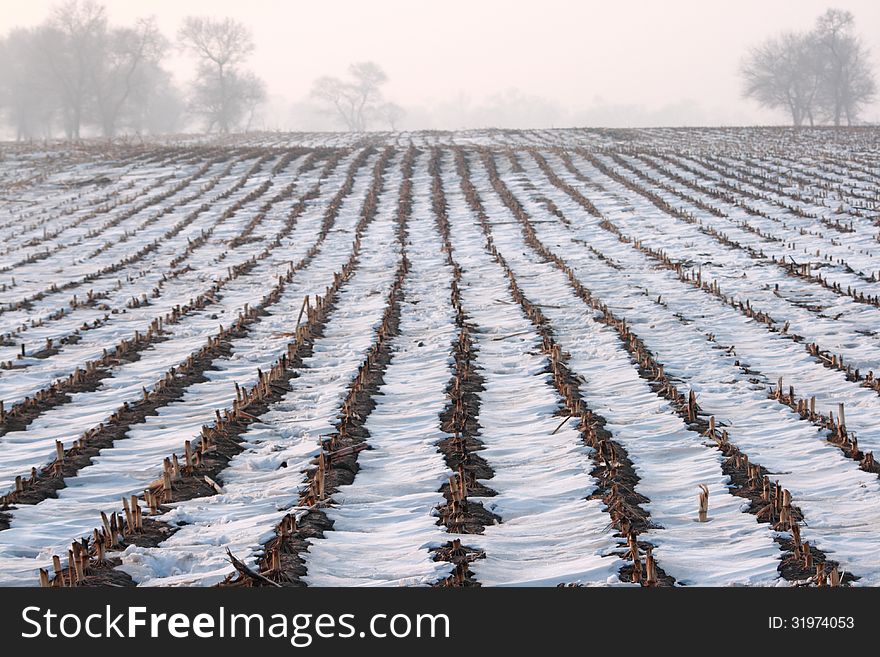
[[681, 276]]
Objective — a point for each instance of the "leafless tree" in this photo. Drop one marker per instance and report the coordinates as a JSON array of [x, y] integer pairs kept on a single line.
[[127, 53], [782, 73], [226, 104], [156, 106], [368, 80], [77, 68], [355, 99], [823, 74], [71, 47], [223, 93], [847, 81], [391, 113], [341, 96]]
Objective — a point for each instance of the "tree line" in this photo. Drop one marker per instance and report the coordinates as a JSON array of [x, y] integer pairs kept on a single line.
[[358, 99], [75, 71], [823, 75]]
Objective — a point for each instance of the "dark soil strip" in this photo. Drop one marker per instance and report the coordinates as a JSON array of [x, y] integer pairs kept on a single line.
[[795, 270], [336, 466], [203, 464], [58, 393], [22, 414], [749, 479], [135, 257], [44, 483], [460, 514], [847, 442], [613, 470]]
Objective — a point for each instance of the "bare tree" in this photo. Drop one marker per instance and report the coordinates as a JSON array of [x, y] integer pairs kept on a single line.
[[391, 113], [126, 55], [76, 67], [223, 93], [822, 73], [251, 94], [847, 82], [226, 103], [353, 100], [71, 47], [368, 80], [157, 105], [341, 96], [782, 73]]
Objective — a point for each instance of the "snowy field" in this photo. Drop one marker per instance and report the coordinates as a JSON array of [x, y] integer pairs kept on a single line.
[[498, 358]]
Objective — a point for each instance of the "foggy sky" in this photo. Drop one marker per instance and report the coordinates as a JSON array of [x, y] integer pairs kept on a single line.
[[544, 63]]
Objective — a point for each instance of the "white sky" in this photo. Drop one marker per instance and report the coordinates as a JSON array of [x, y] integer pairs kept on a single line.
[[661, 61]]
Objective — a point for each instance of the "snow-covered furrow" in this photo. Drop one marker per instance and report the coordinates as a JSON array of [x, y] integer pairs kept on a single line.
[[167, 190], [791, 185], [114, 298], [262, 483], [745, 178], [172, 255], [788, 232], [91, 187], [66, 206], [848, 170], [79, 269], [835, 322], [35, 445], [839, 189], [180, 291], [113, 243], [46, 300], [26, 239], [816, 242], [154, 272], [844, 171], [670, 460], [771, 353], [18, 383], [50, 244], [550, 533], [836, 216], [384, 522], [44, 202], [152, 188], [818, 475], [803, 299], [116, 295], [130, 465], [27, 245], [807, 234], [838, 183]]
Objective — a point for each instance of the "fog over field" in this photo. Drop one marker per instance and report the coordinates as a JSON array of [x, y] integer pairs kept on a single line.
[[500, 63], [440, 295]]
